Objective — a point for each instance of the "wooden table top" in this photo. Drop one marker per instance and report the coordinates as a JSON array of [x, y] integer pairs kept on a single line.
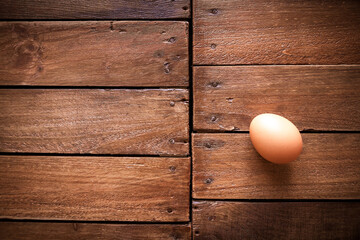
[[130, 119]]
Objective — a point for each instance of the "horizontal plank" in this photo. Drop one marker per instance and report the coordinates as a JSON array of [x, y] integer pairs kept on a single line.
[[94, 188], [276, 220], [226, 166], [96, 121], [312, 97], [91, 53], [276, 32], [85, 9], [72, 231]]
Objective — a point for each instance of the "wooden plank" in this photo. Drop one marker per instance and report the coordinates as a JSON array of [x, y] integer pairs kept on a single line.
[[90, 53], [85, 9], [312, 97], [94, 188], [96, 121], [72, 231], [276, 32], [226, 166], [276, 220]]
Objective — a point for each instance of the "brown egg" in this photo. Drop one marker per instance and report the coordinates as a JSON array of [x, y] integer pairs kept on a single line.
[[275, 138]]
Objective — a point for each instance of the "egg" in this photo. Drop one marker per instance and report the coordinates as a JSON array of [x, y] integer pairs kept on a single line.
[[275, 138]]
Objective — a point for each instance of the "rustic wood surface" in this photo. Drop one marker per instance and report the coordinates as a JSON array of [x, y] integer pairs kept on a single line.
[[94, 188], [90, 53], [97, 121], [85, 9], [312, 97], [276, 32], [226, 166], [276, 220], [84, 231]]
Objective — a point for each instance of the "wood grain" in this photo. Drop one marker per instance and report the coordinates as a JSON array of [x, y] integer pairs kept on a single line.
[[276, 32], [90, 53], [226, 166], [94, 188], [85, 9], [276, 220], [82, 231], [96, 121], [312, 97]]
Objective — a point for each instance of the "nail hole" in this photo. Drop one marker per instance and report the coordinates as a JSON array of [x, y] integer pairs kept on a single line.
[[214, 11], [197, 232], [213, 46], [172, 103], [167, 67], [172, 39], [212, 218], [172, 168], [214, 118], [172, 141], [196, 207], [185, 8], [207, 145], [209, 180], [169, 210], [214, 84]]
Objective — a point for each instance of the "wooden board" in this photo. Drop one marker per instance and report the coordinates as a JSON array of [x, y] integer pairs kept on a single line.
[[90, 53], [94, 188], [59, 231], [276, 220], [226, 166], [85, 9], [276, 32], [312, 97], [72, 231], [96, 121]]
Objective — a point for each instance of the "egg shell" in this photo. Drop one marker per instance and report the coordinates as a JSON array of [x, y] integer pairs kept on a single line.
[[275, 138]]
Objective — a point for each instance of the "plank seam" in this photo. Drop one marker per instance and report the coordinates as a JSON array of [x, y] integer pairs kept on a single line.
[[89, 155], [94, 222], [275, 200]]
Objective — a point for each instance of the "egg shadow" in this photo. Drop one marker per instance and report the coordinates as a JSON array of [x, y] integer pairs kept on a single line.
[[278, 176]]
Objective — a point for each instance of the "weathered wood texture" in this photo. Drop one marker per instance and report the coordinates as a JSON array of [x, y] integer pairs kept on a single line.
[[96, 121], [312, 97], [90, 53], [276, 220], [85, 9], [276, 32], [84, 231], [94, 188], [226, 166]]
